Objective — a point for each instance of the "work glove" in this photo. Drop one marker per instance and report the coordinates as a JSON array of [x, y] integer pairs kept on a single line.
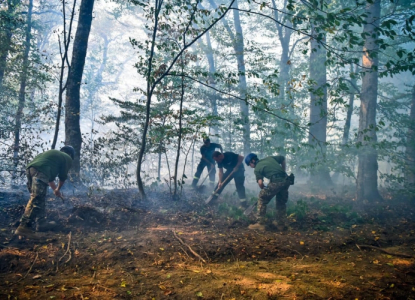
[[290, 179]]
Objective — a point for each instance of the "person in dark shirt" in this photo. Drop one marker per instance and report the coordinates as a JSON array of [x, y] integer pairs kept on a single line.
[[272, 168], [41, 173], [206, 161], [232, 162]]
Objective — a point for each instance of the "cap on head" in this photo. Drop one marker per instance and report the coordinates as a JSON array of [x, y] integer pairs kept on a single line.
[[68, 150], [250, 157]]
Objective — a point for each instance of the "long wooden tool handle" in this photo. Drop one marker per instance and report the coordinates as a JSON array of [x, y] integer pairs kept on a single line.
[[226, 179], [207, 175]]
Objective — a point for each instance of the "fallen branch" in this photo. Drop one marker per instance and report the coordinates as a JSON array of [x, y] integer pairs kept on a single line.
[[384, 251], [68, 249], [190, 248], [30, 269]]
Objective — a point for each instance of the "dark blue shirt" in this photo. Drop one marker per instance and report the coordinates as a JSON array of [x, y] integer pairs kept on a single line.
[[208, 151]]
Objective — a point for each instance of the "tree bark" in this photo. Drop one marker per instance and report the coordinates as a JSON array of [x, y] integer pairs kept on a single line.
[[6, 38], [367, 178], [22, 91], [318, 108], [72, 102], [410, 147]]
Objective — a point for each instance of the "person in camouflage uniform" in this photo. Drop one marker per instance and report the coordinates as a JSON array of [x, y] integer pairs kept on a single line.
[[272, 168], [41, 173]]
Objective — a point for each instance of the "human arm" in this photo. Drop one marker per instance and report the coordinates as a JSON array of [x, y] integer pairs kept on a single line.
[[220, 147], [56, 189], [220, 174], [240, 160], [206, 160], [261, 183]]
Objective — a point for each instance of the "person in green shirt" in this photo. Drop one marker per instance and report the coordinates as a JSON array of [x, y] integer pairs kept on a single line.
[[41, 173], [272, 168]]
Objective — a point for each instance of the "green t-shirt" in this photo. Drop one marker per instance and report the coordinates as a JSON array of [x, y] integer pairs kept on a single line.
[[52, 163], [270, 167]]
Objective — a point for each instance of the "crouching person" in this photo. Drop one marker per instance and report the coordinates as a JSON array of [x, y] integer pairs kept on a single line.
[[272, 168], [41, 173]]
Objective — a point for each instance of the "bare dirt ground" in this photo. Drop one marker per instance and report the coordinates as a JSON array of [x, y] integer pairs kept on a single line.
[[111, 246]]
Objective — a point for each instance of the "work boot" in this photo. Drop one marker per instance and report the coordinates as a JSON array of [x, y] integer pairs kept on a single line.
[[25, 231], [280, 226], [257, 226], [243, 204]]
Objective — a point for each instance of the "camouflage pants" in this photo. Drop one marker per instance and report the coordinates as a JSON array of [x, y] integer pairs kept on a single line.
[[280, 190], [37, 184]]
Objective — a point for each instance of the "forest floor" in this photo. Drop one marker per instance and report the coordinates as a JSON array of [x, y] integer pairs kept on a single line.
[[121, 248]]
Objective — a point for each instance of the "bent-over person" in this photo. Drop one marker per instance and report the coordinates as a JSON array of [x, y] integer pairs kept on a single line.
[[272, 168], [206, 150], [41, 173], [232, 162]]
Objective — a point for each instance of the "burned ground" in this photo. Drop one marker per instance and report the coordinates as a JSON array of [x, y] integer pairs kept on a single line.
[[112, 246]]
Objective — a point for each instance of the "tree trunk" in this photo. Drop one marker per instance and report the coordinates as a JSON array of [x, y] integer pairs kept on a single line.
[[179, 138], [318, 108], [22, 91], [284, 36], [367, 178], [213, 102], [6, 39], [64, 60], [72, 104], [353, 90], [239, 51], [410, 147]]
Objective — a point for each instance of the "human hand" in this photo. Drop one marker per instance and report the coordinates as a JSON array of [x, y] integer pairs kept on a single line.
[[57, 193]]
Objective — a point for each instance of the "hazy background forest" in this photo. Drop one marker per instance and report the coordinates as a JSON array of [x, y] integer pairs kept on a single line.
[[330, 85]]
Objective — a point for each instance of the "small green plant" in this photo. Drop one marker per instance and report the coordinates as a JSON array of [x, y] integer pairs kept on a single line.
[[299, 210]]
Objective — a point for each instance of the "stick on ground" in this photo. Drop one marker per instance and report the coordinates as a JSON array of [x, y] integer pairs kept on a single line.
[[384, 251], [190, 248]]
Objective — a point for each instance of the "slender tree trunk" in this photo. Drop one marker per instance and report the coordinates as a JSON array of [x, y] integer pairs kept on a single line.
[[239, 51], [64, 61], [410, 147], [157, 8], [367, 177], [213, 101], [22, 91], [284, 36], [318, 108], [353, 85], [72, 104], [179, 138]]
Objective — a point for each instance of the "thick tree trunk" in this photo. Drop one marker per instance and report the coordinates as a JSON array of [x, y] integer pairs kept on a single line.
[[72, 104], [318, 109], [367, 177], [6, 38], [410, 147], [22, 91], [239, 51]]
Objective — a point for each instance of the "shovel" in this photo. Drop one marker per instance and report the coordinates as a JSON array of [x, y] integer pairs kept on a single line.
[[201, 187], [249, 210], [212, 195]]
